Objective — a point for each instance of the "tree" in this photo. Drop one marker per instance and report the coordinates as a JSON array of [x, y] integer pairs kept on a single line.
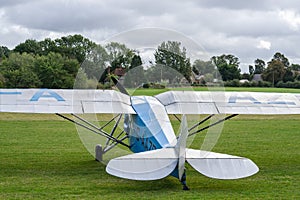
[[295, 67], [135, 76], [259, 66], [203, 67], [274, 72], [135, 61], [246, 76], [119, 55], [96, 63], [251, 70], [18, 71], [171, 54], [4, 52], [74, 46], [47, 45], [29, 46], [228, 66], [280, 57], [2, 81], [55, 71], [288, 75]]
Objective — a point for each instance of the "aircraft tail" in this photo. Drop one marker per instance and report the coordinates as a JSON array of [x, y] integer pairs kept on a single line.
[[157, 164]]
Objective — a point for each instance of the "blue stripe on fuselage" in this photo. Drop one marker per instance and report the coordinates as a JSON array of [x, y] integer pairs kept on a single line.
[[146, 132]]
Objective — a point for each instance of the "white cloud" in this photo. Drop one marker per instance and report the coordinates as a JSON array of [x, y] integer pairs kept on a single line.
[[244, 29], [291, 17], [263, 44]]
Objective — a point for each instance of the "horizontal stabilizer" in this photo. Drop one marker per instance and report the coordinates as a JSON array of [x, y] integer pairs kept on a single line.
[[150, 165], [220, 166]]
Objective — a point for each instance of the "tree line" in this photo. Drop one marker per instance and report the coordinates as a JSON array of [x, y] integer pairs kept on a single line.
[[57, 63]]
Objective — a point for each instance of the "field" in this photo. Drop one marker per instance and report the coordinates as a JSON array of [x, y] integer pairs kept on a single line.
[[42, 158]]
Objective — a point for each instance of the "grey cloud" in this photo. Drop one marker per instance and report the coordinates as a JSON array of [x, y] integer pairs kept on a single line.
[[232, 26], [62, 16]]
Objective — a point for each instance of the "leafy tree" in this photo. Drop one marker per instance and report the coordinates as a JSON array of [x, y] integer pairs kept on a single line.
[[295, 67], [288, 75], [47, 45], [259, 66], [96, 63], [55, 71], [4, 52], [280, 57], [29, 46], [171, 54], [246, 76], [2, 81], [119, 55], [135, 61], [274, 72], [18, 71], [135, 76], [228, 66], [74, 46], [203, 67], [251, 70]]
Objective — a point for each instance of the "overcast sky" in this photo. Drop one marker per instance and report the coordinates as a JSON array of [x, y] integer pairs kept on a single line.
[[246, 29]]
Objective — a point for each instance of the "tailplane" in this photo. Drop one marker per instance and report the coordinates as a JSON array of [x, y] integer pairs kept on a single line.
[[157, 164], [149, 165], [220, 166]]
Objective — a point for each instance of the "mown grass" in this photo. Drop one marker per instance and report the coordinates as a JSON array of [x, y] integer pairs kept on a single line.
[[151, 92], [42, 157]]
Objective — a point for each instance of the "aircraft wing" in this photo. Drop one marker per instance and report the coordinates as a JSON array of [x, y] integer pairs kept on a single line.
[[191, 102], [64, 101]]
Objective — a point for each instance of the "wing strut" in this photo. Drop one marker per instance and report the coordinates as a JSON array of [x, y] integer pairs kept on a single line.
[[211, 125], [99, 130], [177, 117], [201, 122]]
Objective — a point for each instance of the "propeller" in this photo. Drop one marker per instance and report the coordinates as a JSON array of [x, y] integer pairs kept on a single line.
[[119, 86]]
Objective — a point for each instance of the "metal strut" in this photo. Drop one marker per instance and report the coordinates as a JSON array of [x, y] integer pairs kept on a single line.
[[201, 122], [99, 130], [211, 125], [177, 117]]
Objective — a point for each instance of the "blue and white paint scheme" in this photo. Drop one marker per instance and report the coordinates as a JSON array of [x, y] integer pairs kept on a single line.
[[157, 151], [150, 128]]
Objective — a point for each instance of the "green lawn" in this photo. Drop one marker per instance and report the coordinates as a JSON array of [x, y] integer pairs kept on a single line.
[[152, 92], [42, 158]]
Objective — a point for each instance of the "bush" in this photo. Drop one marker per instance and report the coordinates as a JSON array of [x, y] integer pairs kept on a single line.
[[232, 83], [105, 86], [154, 85], [253, 84], [245, 84], [264, 84], [288, 84], [146, 85]]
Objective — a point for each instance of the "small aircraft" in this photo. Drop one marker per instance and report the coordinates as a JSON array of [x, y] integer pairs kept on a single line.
[[148, 133]]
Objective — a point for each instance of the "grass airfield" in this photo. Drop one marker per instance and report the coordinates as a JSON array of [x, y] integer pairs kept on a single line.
[[42, 157]]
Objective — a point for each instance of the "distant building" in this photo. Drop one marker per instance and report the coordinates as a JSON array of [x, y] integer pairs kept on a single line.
[[196, 79], [257, 78], [244, 81], [120, 71]]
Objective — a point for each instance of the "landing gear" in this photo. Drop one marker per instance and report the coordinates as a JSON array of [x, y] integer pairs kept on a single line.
[[183, 182]]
